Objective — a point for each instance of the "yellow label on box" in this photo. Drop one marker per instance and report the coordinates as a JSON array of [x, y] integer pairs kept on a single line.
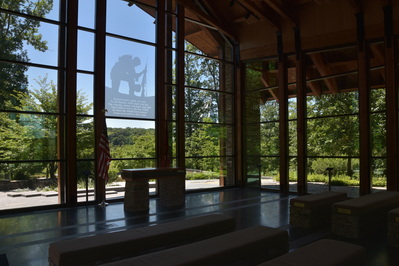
[[344, 211], [299, 204]]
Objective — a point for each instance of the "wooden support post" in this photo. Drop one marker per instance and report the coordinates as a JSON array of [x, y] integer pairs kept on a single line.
[[283, 121], [301, 115], [391, 102], [99, 92], [364, 109], [71, 73]]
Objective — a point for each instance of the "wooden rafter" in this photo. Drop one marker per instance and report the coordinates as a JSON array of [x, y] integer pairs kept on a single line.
[[379, 58], [265, 14], [357, 4], [265, 82], [227, 30], [284, 10], [324, 70]]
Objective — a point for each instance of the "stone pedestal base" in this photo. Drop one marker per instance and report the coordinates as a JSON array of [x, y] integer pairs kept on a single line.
[[171, 191], [136, 195]]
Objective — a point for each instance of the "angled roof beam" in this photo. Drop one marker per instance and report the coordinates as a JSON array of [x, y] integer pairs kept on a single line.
[[358, 5], [209, 20], [266, 14], [324, 70], [273, 92], [284, 10], [379, 58]]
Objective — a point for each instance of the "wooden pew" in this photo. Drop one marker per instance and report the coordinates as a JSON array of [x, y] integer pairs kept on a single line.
[[243, 247], [326, 252], [312, 211], [103, 248], [363, 216], [393, 227]]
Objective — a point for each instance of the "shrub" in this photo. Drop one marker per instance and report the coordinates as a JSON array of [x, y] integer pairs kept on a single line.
[[202, 175]]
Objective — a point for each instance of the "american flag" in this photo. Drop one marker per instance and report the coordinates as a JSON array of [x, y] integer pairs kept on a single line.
[[104, 158]]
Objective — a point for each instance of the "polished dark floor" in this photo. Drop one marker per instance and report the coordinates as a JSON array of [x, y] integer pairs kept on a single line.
[[25, 237]]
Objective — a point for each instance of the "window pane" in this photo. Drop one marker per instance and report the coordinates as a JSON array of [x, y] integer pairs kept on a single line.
[[333, 104], [85, 94], [261, 74], [87, 9], [37, 8], [130, 80], [36, 91], [206, 106], [36, 138], [135, 21], [43, 49], [131, 138], [85, 50], [204, 172], [206, 140], [378, 100], [269, 171], [333, 136], [85, 137], [201, 72], [378, 134]]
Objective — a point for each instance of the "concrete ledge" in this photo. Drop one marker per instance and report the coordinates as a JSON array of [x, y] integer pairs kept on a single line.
[[244, 247], [103, 248], [326, 252]]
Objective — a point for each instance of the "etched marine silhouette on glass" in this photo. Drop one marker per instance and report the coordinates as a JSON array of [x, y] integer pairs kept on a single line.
[[125, 70], [127, 95]]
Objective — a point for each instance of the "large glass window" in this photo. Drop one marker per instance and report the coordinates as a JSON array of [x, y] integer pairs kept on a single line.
[[208, 98], [130, 87], [261, 133], [333, 121], [53, 69], [378, 121], [30, 114]]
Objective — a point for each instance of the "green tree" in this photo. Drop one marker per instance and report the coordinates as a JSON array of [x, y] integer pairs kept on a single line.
[[335, 131], [14, 32], [37, 125]]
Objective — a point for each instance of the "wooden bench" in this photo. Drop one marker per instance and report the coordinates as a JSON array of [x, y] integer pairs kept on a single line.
[[326, 252], [244, 247], [393, 227], [312, 211], [363, 216], [102, 248]]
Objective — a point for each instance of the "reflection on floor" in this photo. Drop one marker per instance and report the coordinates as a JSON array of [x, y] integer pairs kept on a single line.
[[24, 238]]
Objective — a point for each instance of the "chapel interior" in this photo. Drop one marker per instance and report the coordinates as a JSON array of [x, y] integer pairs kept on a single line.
[[256, 103]]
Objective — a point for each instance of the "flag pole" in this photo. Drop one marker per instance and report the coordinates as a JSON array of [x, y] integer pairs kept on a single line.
[[104, 157]]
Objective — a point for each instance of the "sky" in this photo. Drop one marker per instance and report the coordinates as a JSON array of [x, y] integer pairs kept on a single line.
[[122, 20]]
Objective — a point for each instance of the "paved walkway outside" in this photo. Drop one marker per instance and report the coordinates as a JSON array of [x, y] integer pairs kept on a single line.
[[11, 200]]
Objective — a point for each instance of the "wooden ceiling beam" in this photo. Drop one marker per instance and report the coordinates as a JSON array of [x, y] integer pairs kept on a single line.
[[284, 10], [357, 4], [227, 30], [265, 14], [379, 58], [324, 70]]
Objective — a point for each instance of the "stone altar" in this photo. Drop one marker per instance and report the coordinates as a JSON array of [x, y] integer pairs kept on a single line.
[[171, 187]]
